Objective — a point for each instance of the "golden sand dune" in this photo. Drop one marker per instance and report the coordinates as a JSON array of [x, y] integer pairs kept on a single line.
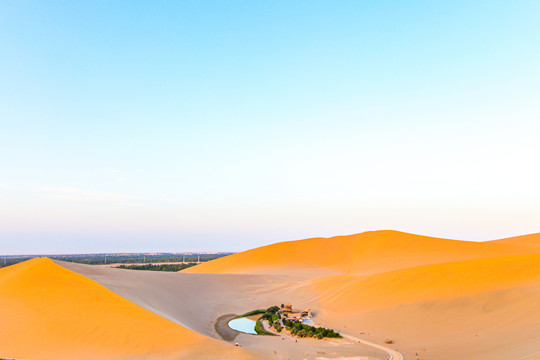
[[501, 324], [365, 253], [350, 293], [443, 299], [532, 240], [475, 309], [49, 312]]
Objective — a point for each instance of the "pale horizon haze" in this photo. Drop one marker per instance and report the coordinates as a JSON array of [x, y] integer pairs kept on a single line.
[[226, 125]]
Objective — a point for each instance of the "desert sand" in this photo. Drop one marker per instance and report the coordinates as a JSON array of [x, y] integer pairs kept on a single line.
[[50, 312], [197, 301], [435, 299]]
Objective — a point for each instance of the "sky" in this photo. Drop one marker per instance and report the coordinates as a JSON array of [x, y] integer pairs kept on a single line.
[[227, 125]]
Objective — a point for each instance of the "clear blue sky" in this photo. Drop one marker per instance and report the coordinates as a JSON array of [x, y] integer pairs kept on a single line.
[[225, 125]]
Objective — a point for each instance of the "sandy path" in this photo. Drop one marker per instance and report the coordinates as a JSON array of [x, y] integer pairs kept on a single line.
[[394, 354]]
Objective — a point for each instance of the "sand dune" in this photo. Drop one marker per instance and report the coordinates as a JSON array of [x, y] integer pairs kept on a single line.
[[365, 253], [532, 240], [49, 312], [437, 299], [502, 325], [442, 299], [350, 293], [474, 309]]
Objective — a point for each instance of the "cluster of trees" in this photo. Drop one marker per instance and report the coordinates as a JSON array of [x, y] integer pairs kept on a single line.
[[161, 267], [273, 318], [269, 314], [276, 325], [303, 330], [296, 328], [253, 312], [259, 328]]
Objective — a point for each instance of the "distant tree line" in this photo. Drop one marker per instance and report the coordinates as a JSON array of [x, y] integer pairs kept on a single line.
[[161, 267], [251, 313], [97, 259]]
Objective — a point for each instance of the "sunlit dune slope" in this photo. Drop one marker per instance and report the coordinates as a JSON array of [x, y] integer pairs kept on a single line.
[[485, 308], [532, 240], [350, 293], [443, 299], [49, 312], [500, 324], [365, 253], [474, 309]]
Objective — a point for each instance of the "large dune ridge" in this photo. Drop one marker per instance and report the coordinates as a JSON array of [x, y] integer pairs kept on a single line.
[[532, 240], [365, 253], [49, 312]]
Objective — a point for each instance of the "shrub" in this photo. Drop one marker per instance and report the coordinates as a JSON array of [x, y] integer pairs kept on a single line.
[[259, 328], [253, 312]]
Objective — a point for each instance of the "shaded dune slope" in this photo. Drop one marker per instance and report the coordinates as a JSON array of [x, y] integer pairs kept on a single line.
[[49, 312], [194, 301]]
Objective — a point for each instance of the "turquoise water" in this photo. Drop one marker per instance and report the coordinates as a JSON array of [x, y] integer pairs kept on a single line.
[[308, 321], [244, 325]]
